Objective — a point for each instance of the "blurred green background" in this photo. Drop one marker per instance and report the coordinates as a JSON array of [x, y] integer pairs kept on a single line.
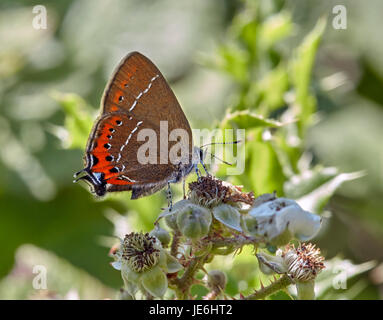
[[278, 59]]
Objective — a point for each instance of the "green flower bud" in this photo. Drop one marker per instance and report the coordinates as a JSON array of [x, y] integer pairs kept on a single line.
[[194, 222], [228, 215], [171, 221], [216, 280], [171, 215], [161, 234]]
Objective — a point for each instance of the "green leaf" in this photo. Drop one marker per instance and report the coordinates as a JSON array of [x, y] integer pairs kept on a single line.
[[248, 34], [245, 119], [68, 225], [317, 199], [336, 276], [275, 28], [63, 278], [234, 61], [265, 171], [301, 70], [308, 181], [271, 89], [78, 119]]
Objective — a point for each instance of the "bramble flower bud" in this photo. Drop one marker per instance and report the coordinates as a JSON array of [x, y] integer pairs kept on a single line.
[[141, 251], [171, 214], [161, 234], [224, 200], [143, 264], [303, 263], [279, 220], [209, 191], [194, 222], [171, 221], [216, 280]]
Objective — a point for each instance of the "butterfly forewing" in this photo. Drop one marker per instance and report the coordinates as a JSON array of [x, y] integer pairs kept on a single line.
[[139, 88]]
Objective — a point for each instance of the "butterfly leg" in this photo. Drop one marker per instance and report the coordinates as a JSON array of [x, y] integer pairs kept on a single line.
[[169, 194], [183, 187], [169, 197], [204, 167], [197, 172]]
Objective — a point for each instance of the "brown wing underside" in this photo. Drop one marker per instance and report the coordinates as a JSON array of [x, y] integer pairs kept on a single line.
[[145, 89], [137, 97]]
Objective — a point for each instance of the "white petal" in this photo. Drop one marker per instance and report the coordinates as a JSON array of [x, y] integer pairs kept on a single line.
[[275, 216]]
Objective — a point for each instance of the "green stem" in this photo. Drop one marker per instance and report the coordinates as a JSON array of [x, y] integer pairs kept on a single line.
[[184, 283], [277, 285], [175, 244], [237, 241]]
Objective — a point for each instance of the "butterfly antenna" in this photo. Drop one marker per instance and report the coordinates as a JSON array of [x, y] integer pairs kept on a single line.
[[223, 161], [77, 173], [213, 143]]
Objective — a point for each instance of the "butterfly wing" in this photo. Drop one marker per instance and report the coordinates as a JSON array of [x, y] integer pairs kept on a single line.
[[137, 97], [138, 88]]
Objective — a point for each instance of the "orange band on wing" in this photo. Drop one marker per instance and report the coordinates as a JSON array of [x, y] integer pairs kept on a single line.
[[119, 182]]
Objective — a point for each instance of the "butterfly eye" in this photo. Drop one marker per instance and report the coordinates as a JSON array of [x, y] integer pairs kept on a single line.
[[114, 170], [118, 122], [109, 158], [112, 130], [109, 136], [107, 146], [120, 98]]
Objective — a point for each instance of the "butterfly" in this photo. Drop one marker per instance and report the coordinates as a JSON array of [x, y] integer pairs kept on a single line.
[[136, 98]]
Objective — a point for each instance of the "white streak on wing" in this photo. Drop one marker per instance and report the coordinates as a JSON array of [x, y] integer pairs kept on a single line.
[[141, 93], [133, 105], [127, 178], [127, 140]]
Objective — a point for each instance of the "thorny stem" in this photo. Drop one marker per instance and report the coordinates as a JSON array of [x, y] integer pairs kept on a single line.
[[184, 283], [175, 243], [238, 241], [275, 286]]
